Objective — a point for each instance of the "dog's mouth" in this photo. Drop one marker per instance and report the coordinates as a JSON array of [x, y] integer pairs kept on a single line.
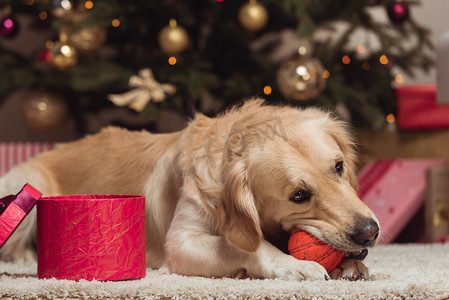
[[359, 254]]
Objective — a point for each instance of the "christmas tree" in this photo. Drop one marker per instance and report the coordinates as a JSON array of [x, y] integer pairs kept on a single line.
[[181, 56]]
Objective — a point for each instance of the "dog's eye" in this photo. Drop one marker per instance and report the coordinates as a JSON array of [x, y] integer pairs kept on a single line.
[[339, 167], [300, 196]]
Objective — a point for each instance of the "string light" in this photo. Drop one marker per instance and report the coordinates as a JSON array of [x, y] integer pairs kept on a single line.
[[43, 15], [361, 48], [65, 50], [366, 66], [88, 4], [399, 78], [390, 119], [383, 60], [172, 60], [302, 50], [172, 23], [326, 74], [115, 23], [346, 60], [66, 4], [49, 44], [267, 90]]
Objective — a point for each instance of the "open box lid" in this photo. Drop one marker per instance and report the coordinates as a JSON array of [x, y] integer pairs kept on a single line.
[[14, 208]]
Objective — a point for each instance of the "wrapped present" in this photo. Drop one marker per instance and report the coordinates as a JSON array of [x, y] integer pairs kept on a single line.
[[12, 154], [394, 190], [99, 237], [13, 209], [418, 108], [437, 204], [91, 237]]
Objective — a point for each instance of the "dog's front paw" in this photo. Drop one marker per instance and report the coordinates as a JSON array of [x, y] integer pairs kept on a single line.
[[350, 269], [297, 270]]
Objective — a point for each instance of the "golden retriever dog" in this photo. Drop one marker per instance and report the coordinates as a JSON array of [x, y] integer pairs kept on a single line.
[[219, 191]]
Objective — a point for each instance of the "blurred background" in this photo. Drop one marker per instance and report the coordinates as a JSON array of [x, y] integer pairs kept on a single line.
[[61, 59], [71, 67]]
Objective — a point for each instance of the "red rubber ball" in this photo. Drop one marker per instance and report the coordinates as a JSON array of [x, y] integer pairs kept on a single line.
[[304, 246]]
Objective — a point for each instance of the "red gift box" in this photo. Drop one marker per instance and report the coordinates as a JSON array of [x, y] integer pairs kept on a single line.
[[91, 237], [418, 108]]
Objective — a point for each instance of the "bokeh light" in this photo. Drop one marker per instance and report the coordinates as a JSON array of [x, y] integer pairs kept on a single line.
[[172, 60], [267, 90], [88, 4], [383, 60], [115, 23], [390, 118]]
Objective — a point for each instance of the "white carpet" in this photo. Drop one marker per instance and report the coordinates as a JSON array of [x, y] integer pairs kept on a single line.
[[396, 272]]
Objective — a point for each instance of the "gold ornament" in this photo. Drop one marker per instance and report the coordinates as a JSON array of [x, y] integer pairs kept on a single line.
[[146, 88], [63, 55], [301, 78], [87, 38], [44, 110], [253, 16], [62, 8], [173, 39]]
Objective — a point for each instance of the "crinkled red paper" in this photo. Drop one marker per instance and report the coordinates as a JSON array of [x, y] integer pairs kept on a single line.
[[92, 237], [9, 220]]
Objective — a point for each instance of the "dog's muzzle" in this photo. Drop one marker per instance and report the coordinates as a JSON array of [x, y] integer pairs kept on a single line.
[[365, 233]]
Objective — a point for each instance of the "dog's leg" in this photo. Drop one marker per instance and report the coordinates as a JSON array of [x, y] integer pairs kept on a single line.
[[21, 244], [191, 250], [350, 269]]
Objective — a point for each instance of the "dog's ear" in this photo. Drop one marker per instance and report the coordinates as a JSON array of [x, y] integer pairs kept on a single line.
[[239, 219]]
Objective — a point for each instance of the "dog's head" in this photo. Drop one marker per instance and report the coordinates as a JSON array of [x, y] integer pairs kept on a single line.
[[283, 168]]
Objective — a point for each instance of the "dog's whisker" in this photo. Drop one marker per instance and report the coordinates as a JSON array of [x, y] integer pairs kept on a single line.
[[385, 236]]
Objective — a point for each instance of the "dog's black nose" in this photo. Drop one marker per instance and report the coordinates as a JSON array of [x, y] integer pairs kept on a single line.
[[365, 233]]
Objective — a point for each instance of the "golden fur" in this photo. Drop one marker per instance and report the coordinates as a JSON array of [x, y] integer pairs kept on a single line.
[[217, 190]]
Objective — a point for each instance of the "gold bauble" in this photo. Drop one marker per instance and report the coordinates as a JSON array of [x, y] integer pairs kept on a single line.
[[82, 34], [301, 78], [253, 16], [62, 8], [63, 55], [86, 38], [44, 110], [173, 39]]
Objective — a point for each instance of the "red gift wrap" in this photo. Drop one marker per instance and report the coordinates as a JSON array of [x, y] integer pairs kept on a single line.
[[418, 108], [13, 209], [92, 237]]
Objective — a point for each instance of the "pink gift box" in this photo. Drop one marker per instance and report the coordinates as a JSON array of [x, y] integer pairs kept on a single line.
[[394, 190], [92, 237]]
